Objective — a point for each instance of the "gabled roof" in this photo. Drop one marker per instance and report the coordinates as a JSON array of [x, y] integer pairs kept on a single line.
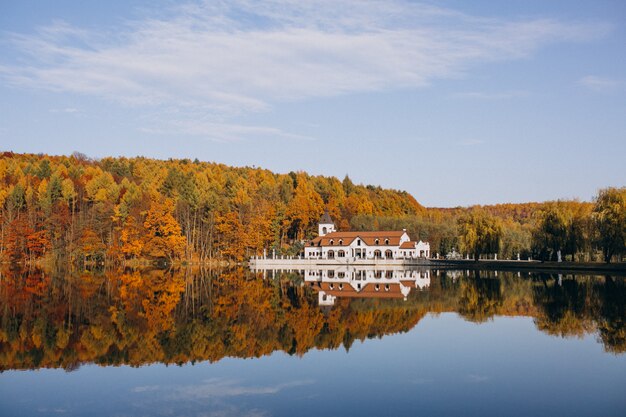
[[368, 237], [407, 245]]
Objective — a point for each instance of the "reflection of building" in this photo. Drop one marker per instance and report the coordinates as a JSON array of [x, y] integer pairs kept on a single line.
[[383, 245], [350, 282]]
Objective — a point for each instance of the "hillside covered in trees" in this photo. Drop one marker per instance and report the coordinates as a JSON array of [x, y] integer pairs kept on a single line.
[[68, 209]]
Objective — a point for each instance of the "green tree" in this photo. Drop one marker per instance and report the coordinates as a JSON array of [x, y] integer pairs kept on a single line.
[[609, 215], [479, 233]]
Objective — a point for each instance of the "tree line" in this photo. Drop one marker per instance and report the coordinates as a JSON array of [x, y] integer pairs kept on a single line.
[[73, 209]]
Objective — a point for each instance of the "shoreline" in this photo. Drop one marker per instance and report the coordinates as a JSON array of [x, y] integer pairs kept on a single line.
[[505, 265]]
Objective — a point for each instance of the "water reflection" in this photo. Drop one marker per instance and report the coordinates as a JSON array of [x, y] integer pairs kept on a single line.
[[136, 318]]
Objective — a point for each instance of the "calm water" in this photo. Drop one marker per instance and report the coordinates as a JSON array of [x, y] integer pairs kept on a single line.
[[422, 342]]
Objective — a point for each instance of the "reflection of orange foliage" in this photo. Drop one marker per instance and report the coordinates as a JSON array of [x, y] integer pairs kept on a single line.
[[176, 316]]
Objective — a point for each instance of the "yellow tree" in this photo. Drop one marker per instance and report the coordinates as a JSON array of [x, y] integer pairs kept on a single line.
[[305, 208], [131, 238], [164, 238]]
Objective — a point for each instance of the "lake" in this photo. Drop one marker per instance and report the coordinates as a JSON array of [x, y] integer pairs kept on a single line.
[[330, 342]]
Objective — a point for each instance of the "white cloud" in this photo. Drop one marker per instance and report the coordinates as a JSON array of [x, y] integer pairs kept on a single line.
[[600, 84], [492, 96], [221, 132], [228, 58], [217, 388], [65, 110]]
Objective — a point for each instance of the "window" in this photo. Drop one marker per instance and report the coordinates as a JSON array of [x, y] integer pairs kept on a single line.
[[332, 242], [331, 274], [340, 241], [377, 241], [388, 254], [358, 242], [378, 254], [378, 274], [341, 254], [341, 274], [331, 254], [386, 241]]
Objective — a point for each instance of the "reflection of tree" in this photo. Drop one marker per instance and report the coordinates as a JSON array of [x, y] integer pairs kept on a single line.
[[480, 298], [179, 316], [566, 309], [612, 321]]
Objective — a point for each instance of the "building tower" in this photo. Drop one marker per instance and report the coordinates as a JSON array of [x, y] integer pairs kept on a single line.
[[326, 224]]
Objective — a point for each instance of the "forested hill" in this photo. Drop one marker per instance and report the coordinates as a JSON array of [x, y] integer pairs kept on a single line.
[[75, 209], [139, 207]]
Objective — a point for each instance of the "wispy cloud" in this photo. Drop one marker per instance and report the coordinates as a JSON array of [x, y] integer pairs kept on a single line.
[[146, 388], [601, 84], [482, 95], [477, 378], [65, 110], [228, 58], [221, 132], [217, 388]]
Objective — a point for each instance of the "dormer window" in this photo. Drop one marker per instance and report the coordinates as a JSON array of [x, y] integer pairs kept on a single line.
[[386, 241], [358, 242], [341, 241], [376, 241], [332, 242]]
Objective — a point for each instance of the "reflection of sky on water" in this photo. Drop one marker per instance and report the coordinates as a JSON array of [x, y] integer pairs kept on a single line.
[[444, 366]]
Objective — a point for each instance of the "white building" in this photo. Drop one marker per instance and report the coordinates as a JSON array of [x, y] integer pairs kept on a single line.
[[331, 244], [361, 282]]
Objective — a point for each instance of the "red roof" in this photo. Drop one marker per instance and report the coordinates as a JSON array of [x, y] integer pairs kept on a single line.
[[391, 237], [368, 291]]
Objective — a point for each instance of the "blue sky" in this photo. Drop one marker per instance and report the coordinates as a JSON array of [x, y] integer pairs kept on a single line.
[[456, 102]]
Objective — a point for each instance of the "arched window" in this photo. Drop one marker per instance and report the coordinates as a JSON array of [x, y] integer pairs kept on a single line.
[[378, 254], [324, 230], [358, 242], [331, 254], [332, 242], [377, 241], [340, 241], [331, 274], [388, 254], [386, 241], [341, 254]]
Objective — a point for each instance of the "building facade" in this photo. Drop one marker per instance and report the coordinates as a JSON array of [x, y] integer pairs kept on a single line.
[[332, 244]]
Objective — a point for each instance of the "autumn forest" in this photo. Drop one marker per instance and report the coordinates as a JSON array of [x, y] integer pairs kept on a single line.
[[123, 211]]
